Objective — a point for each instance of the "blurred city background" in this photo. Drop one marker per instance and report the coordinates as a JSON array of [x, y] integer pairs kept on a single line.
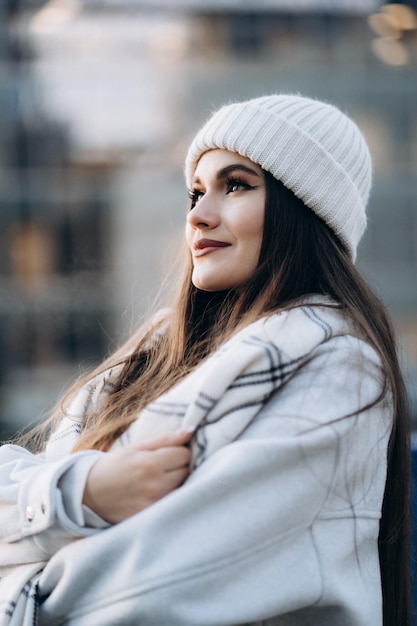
[[98, 102]]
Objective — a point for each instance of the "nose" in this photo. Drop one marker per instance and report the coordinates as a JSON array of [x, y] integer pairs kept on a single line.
[[205, 213]]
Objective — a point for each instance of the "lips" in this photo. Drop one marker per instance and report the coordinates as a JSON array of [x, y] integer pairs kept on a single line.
[[205, 246]]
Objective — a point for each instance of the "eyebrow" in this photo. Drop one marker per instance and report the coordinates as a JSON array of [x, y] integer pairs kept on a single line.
[[225, 171]]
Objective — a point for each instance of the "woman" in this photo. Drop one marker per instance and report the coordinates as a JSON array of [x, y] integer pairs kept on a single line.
[[244, 459]]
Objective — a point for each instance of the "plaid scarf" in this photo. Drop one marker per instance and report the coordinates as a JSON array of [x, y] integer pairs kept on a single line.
[[220, 398]]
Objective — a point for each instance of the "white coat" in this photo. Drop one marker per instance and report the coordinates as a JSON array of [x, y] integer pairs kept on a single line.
[[277, 525]]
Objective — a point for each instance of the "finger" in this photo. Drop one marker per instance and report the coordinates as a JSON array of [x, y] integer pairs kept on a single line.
[[175, 478], [168, 459]]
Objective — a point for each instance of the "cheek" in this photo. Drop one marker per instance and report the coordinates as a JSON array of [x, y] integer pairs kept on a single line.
[[252, 217], [252, 229]]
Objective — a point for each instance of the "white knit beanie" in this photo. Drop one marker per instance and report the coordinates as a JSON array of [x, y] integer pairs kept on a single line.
[[310, 146]]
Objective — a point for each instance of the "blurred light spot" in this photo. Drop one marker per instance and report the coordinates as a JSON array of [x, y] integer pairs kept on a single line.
[[54, 15], [384, 25], [32, 254], [168, 42], [404, 16], [390, 51]]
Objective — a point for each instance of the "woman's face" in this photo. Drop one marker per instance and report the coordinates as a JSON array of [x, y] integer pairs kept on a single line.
[[225, 223]]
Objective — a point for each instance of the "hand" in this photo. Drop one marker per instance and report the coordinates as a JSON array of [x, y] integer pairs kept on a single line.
[[125, 481]]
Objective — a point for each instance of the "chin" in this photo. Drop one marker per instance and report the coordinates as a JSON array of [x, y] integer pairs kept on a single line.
[[214, 284], [208, 285], [209, 288]]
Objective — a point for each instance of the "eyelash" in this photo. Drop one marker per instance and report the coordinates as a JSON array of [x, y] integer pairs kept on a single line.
[[231, 182], [236, 182], [194, 195]]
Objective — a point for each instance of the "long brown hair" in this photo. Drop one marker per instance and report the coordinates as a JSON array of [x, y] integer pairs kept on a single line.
[[300, 255]]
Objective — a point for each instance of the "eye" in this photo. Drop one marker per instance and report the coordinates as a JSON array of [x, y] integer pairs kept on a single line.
[[237, 184], [195, 195]]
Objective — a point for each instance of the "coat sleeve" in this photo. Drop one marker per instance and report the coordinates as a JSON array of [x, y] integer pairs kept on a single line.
[[41, 495], [37, 517], [252, 533]]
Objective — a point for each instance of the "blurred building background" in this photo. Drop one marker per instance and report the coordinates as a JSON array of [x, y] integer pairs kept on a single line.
[[98, 102]]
